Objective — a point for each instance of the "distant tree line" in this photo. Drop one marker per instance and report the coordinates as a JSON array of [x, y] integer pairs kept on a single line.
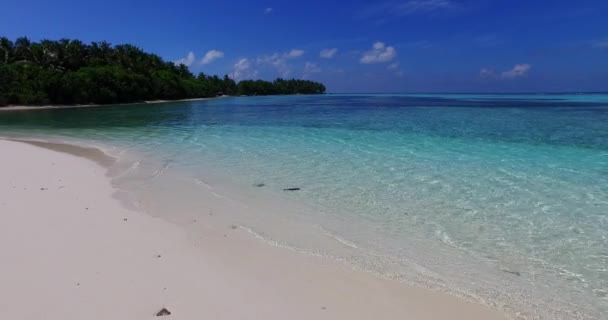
[[71, 72]]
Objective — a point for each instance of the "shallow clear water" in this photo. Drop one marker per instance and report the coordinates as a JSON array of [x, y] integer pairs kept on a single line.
[[499, 198]]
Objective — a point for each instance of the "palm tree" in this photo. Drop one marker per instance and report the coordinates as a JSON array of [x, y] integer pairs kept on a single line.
[[52, 55], [75, 54], [6, 50], [23, 51]]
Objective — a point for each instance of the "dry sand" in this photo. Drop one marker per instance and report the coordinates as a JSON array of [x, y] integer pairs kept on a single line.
[[21, 108], [72, 251]]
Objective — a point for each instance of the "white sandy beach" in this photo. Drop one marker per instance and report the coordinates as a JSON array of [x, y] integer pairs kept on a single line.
[[44, 107], [70, 250]]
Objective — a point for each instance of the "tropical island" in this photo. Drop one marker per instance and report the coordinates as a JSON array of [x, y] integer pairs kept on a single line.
[[70, 72]]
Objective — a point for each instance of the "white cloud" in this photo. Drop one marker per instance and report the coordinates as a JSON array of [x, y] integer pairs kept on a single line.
[[519, 70], [415, 6], [211, 56], [277, 61], [487, 73], [268, 10], [382, 12], [395, 68], [294, 53], [242, 70], [602, 44], [187, 61], [310, 68], [379, 53], [280, 61], [328, 53]]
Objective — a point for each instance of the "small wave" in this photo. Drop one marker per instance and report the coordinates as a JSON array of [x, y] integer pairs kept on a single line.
[[202, 183], [425, 279], [338, 238], [211, 189], [277, 244], [123, 172], [162, 169]]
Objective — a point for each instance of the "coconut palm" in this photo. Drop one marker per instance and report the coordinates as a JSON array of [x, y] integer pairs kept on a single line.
[[6, 50], [23, 50]]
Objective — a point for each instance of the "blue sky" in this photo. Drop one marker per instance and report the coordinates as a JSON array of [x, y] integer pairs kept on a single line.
[[351, 46]]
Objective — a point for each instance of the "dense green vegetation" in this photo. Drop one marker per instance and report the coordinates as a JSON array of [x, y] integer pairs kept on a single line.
[[71, 72]]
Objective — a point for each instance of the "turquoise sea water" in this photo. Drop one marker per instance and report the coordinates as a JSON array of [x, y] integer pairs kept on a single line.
[[502, 199]]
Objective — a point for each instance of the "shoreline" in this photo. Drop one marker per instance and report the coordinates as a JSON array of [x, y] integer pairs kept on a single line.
[[46, 107], [150, 263]]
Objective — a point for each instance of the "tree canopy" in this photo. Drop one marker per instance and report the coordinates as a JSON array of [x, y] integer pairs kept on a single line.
[[72, 72]]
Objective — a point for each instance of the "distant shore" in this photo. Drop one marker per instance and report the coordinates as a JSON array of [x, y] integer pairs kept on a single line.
[[73, 252], [46, 107]]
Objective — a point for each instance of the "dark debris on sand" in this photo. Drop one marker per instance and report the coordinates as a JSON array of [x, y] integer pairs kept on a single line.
[[516, 273], [163, 312]]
